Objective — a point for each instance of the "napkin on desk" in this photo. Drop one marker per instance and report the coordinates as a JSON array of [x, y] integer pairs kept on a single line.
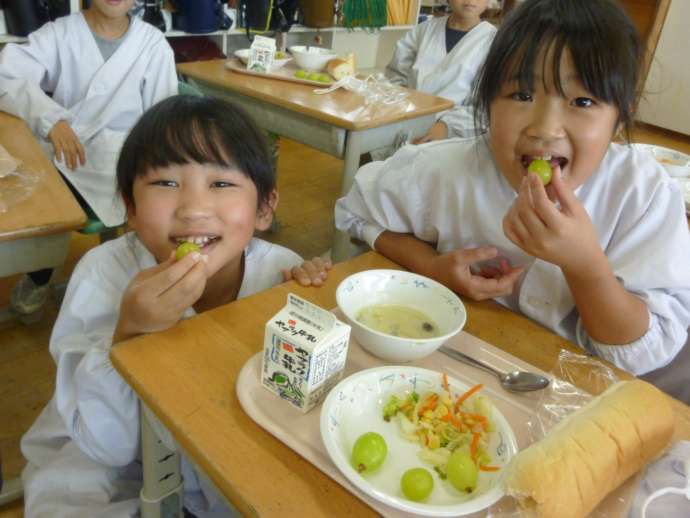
[[8, 164]]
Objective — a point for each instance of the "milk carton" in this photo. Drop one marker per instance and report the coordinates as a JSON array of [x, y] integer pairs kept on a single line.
[[305, 349], [261, 54]]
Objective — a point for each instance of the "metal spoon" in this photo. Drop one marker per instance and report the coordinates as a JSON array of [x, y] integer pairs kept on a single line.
[[516, 381]]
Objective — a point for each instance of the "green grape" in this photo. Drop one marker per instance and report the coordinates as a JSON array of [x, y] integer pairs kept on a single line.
[[313, 76], [301, 74], [542, 168], [462, 471], [186, 248], [369, 452], [417, 484], [324, 78]]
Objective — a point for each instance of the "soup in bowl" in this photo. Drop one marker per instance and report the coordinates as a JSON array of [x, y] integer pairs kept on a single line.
[[399, 316]]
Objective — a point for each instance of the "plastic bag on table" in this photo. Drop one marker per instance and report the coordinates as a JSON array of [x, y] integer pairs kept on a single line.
[[375, 89], [17, 183]]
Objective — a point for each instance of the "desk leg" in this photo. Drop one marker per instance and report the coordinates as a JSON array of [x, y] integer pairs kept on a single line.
[[343, 248], [162, 494]]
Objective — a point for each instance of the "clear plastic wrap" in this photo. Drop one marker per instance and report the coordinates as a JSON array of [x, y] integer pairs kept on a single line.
[[560, 399], [17, 182], [375, 89]]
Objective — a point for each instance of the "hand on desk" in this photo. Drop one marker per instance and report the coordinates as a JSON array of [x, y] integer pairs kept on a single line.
[[311, 273], [67, 145], [453, 270], [157, 297]]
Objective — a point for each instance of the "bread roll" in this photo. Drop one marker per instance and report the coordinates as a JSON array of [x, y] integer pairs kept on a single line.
[[592, 451], [340, 68]]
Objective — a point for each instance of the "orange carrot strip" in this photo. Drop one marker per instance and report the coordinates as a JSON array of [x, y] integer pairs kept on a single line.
[[445, 383], [461, 399], [489, 468], [446, 417], [473, 446]]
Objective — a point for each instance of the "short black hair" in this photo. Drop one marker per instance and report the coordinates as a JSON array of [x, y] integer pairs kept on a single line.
[[185, 128], [603, 42]]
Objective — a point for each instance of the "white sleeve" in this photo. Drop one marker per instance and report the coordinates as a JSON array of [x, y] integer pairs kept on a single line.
[[98, 408], [650, 257], [404, 57], [388, 196], [460, 122], [160, 80], [25, 72]]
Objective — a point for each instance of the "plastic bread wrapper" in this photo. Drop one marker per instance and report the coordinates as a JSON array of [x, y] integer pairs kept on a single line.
[[17, 182], [556, 402], [375, 89]]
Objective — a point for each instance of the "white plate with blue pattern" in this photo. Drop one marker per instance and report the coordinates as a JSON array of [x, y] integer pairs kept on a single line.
[[355, 406]]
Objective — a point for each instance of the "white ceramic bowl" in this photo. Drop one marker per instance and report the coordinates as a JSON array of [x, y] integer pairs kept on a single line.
[[355, 406], [401, 288], [676, 163], [311, 58], [243, 56]]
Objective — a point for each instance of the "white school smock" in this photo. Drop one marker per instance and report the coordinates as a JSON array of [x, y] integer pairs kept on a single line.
[[82, 451], [100, 100], [451, 193], [422, 63]]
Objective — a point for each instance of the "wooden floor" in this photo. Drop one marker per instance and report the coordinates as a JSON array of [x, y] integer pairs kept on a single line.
[[309, 184]]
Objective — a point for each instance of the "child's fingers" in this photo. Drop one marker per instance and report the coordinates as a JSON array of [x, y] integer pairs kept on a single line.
[[542, 206], [475, 255], [170, 272], [186, 290], [300, 276], [565, 196]]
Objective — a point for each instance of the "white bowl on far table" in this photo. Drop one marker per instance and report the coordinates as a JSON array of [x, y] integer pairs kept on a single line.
[[402, 288], [243, 56], [311, 58]]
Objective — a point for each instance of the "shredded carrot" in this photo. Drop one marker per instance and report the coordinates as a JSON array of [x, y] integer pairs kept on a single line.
[[473, 447], [429, 405], [457, 423], [489, 468], [461, 399], [446, 417], [445, 383]]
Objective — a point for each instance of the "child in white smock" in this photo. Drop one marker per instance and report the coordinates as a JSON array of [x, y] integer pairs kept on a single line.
[[80, 83], [196, 170], [442, 56], [600, 255]]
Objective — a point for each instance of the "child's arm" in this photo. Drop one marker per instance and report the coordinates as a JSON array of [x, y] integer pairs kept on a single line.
[[157, 297], [25, 70], [310, 273], [160, 81], [399, 68], [451, 269], [567, 238]]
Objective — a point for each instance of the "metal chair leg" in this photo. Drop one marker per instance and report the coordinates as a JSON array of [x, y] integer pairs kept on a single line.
[[162, 493]]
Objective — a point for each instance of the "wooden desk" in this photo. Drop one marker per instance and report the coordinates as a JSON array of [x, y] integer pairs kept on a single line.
[[338, 123], [187, 375], [34, 233]]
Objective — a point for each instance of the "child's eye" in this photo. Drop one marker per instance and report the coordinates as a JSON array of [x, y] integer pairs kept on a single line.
[[522, 97], [583, 102], [222, 184], [165, 183]]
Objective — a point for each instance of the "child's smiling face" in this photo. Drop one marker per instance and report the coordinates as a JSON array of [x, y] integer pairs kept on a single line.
[[574, 128], [216, 207]]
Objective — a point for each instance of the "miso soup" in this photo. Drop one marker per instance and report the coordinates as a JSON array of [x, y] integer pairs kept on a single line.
[[397, 320]]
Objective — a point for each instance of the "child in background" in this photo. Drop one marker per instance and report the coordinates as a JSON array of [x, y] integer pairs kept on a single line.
[[442, 56], [601, 254], [103, 69], [196, 170]]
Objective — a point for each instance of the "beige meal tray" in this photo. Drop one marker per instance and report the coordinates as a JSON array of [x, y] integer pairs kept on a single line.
[[303, 433], [284, 73]]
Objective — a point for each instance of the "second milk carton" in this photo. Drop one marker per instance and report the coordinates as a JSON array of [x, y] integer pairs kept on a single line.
[[305, 349]]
